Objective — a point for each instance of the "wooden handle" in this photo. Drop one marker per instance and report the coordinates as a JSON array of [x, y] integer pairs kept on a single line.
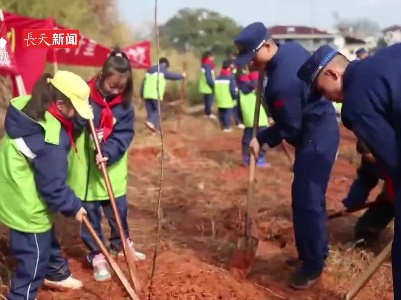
[[368, 273], [110, 260], [252, 165], [128, 253]]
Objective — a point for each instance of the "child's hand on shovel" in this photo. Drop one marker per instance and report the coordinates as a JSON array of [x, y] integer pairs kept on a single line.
[[100, 159], [254, 147]]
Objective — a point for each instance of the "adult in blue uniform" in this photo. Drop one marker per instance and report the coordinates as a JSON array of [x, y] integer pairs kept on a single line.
[[308, 123], [370, 91]]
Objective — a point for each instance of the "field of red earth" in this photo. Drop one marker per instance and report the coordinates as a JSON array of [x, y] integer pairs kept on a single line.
[[203, 202]]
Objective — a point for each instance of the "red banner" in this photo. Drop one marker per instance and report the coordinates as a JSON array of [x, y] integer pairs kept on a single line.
[[92, 54], [30, 62], [7, 61]]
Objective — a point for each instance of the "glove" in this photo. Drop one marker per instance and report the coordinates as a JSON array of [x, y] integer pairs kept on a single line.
[[79, 216]]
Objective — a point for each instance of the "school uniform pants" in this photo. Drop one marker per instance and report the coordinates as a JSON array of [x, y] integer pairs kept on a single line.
[[208, 104], [39, 257], [246, 139], [152, 111], [94, 214], [225, 117], [368, 175], [314, 158], [237, 115]]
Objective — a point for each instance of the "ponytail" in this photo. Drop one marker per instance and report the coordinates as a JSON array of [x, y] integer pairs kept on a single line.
[[118, 62], [43, 95]]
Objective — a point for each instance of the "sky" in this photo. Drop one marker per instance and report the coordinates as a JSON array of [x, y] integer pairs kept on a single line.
[[318, 13]]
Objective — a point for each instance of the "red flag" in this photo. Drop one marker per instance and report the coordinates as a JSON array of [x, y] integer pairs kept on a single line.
[[7, 61], [139, 55], [29, 61]]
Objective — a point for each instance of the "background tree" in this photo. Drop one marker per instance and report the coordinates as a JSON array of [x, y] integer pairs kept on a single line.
[[199, 30]]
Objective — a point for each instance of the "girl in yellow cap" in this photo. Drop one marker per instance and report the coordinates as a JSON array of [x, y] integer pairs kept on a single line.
[[33, 171]]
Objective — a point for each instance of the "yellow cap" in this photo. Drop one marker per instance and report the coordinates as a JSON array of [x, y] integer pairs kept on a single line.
[[75, 89]]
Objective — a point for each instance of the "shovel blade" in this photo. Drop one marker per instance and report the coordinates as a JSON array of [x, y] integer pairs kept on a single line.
[[244, 255]]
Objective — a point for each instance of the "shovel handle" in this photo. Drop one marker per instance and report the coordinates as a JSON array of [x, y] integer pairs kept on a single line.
[[110, 260], [129, 255], [252, 165], [369, 272]]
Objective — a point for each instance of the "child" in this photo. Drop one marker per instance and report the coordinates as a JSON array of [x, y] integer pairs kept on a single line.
[[110, 96], [236, 114], [225, 92], [247, 102], [206, 83], [149, 91], [33, 172]]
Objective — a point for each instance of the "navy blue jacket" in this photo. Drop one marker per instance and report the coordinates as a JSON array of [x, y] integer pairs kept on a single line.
[[372, 105], [208, 74], [293, 108], [167, 75], [50, 164], [123, 131], [233, 84]]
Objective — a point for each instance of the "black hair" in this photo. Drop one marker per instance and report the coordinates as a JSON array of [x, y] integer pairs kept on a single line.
[[43, 94], [227, 64], [165, 61], [119, 63], [207, 54]]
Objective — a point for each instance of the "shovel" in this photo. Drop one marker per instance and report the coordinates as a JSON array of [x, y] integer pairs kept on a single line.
[[244, 254]]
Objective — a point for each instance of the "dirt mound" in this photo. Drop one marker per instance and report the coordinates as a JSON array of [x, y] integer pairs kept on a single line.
[[194, 279]]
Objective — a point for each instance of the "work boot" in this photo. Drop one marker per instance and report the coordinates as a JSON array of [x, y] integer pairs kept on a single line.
[[302, 280], [101, 270], [68, 283], [138, 255]]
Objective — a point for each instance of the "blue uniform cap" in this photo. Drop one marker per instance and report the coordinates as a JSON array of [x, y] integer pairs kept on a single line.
[[361, 51], [309, 71], [249, 41]]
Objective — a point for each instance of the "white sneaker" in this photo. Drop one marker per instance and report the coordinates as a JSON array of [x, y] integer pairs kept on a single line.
[[150, 126], [241, 126], [227, 130], [101, 270], [138, 255], [68, 283], [211, 116]]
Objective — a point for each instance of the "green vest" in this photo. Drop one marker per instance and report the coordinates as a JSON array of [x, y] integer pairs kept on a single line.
[[21, 206], [222, 94], [204, 88], [247, 104], [337, 106], [150, 87], [86, 179]]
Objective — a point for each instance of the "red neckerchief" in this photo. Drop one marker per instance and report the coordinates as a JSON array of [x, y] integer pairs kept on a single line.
[[254, 75], [208, 61], [226, 72], [106, 116], [67, 124], [388, 183]]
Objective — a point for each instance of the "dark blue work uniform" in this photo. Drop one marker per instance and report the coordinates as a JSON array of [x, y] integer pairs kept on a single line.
[[372, 110], [307, 122]]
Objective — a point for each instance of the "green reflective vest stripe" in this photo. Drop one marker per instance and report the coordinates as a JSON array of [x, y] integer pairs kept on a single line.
[[337, 106], [247, 104], [204, 88], [150, 86], [222, 94], [21, 206], [86, 179]]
